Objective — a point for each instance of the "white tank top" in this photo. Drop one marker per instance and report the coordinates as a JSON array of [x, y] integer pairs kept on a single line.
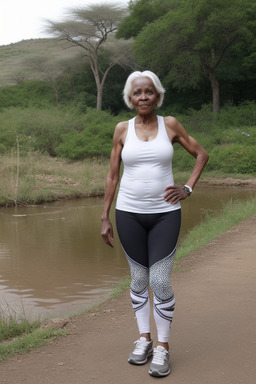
[[147, 172]]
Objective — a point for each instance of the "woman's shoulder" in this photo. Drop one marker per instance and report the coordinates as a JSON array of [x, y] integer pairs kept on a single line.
[[173, 127], [122, 125], [121, 131], [170, 121]]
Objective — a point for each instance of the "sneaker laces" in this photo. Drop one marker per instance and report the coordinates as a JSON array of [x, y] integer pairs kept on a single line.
[[140, 346], [159, 355]]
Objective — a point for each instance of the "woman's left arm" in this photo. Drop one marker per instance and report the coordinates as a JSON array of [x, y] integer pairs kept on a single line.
[[178, 134]]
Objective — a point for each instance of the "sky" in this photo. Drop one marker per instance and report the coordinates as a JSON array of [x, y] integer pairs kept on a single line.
[[24, 19]]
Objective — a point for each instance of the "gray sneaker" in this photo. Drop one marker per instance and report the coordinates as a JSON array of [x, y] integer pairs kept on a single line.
[[143, 349], [160, 363]]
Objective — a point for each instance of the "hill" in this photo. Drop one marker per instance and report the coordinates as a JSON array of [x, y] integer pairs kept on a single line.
[[14, 58]]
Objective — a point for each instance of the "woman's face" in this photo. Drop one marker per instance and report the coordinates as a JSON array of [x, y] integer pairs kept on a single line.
[[144, 96]]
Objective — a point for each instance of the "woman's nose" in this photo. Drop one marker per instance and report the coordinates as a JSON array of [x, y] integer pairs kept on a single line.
[[143, 96]]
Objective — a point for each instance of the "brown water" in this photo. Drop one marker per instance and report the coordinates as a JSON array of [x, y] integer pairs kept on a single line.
[[53, 260]]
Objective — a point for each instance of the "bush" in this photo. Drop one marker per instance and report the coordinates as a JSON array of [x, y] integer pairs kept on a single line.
[[26, 94], [229, 138], [37, 128], [234, 158], [94, 140]]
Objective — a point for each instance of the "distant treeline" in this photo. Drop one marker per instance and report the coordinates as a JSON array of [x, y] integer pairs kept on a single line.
[[79, 90]]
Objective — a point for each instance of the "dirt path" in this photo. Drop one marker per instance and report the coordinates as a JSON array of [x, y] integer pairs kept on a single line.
[[212, 339]]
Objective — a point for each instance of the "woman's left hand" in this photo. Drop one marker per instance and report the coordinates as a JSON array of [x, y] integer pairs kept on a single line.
[[174, 194]]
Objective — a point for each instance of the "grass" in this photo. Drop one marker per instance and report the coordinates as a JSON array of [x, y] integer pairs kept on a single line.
[[232, 214], [121, 287], [19, 335], [12, 324], [28, 342], [36, 178], [14, 57]]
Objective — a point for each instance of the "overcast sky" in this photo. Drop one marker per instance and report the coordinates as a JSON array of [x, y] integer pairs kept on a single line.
[[23, 19]]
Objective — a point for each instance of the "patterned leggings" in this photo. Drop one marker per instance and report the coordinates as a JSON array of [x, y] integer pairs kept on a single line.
[[149, 242]]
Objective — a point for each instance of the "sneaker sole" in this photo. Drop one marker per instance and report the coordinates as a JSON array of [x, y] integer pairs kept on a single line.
[[134, 362], [159, 374]]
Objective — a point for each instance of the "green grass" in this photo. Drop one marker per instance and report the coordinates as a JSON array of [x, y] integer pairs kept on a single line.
[[234, 213], [121, 287], [28, 342], [13, 324], [19, 335]]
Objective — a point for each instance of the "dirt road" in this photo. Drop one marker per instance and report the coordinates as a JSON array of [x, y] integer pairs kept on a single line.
[[213, 337]]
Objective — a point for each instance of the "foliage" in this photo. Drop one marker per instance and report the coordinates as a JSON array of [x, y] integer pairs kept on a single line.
[[142, 13], [189, 42], [32, 92], [91, 30], [229, 139], [36, 128], [236, 158], [94, 140]]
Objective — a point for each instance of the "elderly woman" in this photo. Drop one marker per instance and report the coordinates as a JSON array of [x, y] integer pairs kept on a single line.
[[148, 210]]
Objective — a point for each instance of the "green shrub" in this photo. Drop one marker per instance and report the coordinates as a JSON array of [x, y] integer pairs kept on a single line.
[[29, 93], [234, 158], [37, 128], [238, 116], [66, 132], [94, 140]]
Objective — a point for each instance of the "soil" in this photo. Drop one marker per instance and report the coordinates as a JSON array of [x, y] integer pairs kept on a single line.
[[212, 337]]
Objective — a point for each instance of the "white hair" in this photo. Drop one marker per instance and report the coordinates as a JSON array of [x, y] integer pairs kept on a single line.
[[137, 74]]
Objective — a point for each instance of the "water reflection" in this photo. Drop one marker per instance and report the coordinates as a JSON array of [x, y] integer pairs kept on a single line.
[[53, 260]]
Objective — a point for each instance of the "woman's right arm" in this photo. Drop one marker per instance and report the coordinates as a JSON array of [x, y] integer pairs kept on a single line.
[[111, 183]]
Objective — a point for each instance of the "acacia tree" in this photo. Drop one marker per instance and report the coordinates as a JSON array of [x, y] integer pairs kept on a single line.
[[191, 40], [92, 29]]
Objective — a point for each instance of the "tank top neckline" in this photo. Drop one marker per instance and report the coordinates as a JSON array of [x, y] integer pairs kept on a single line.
[[148, 141]]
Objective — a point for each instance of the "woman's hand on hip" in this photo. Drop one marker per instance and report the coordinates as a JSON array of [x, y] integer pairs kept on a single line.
[[174, 194]]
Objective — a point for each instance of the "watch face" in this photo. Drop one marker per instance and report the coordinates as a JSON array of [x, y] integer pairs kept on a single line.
[[188, 189]]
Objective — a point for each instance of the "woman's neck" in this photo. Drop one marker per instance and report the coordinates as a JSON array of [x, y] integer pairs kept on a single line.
[[146, 119]]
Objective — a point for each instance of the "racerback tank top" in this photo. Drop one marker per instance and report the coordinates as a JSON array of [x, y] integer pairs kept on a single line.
[[147, 172]]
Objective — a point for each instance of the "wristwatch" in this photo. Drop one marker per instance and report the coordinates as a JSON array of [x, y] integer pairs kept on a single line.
[[188, 189]]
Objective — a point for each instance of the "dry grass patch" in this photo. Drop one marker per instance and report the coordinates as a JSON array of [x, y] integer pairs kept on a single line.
[[36, 178]]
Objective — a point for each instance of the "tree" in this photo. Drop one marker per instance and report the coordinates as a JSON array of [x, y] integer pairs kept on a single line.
[[142, 13], [191, 40], [52, 72], [92, 29]]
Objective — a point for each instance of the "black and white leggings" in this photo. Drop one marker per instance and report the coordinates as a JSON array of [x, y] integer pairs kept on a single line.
[[149, 242]]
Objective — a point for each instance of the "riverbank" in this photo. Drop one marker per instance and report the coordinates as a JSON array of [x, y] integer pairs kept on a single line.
[[233, 213], [205, 345], [37, 179]]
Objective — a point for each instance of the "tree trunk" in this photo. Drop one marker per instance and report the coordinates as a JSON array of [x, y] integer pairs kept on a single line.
[[99, 97], [215, 92]]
